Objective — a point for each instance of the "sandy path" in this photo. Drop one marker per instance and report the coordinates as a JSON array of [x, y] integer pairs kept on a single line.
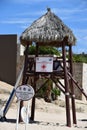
[[48, 116]]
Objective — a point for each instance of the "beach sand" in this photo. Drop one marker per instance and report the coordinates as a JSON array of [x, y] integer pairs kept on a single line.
[[48, 116]]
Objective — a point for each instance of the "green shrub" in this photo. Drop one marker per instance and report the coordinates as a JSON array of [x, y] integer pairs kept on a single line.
[[56, 91]]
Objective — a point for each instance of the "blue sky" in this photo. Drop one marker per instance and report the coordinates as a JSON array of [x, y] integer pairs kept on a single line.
[[17, 15]]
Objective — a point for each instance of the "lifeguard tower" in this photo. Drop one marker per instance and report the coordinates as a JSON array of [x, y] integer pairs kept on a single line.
[[49, 30]]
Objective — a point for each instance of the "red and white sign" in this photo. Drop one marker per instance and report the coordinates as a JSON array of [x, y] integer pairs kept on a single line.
[[44, 64]]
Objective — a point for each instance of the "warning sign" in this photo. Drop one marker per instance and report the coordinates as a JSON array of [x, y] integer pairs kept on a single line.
[[44, 64], [24, 92]]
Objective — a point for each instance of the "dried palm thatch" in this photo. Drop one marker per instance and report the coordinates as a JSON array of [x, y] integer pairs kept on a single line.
[[48, 30]]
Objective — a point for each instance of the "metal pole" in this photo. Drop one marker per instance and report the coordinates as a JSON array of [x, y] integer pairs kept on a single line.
[[27, 116], [18, 109]]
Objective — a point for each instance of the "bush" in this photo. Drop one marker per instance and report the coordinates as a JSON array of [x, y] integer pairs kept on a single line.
[[82, 58], [55, 93]]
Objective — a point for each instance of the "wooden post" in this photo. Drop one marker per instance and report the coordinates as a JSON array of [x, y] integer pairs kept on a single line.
[[33, 102], [24, 79], [72, 86], [35, 79], [68, 118]]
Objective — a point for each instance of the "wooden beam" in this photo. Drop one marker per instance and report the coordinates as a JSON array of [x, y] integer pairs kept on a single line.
[[58, 85], [42, 85], [76, 83]]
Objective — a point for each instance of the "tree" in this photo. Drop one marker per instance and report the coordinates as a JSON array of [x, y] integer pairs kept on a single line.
[[82, 58], [44, 50]]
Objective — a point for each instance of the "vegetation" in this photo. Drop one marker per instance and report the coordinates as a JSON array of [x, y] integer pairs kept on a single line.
[[82, 58], [44, 50], [55, 93]]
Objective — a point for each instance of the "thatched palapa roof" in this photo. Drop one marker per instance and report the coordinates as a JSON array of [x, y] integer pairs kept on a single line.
[[48, 30]]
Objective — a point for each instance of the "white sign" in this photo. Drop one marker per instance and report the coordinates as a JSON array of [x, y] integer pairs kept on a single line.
[[24, 92], [44, 64]]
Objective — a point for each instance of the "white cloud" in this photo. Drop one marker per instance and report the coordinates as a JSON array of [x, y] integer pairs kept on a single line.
[[23, 26], [79, 50], [80, 32], [85, 38], [69, 10], [81, 36], [30, 1], [34, 13], [72, 14], [17, 21]]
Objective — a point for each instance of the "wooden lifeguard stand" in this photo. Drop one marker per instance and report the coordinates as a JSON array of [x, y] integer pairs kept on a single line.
[[49, 30]]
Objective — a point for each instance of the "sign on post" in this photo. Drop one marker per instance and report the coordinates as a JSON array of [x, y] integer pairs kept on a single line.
[[24, 92], [44, 64]]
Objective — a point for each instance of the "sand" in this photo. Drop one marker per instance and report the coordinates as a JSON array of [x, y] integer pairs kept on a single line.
[[48, 116]]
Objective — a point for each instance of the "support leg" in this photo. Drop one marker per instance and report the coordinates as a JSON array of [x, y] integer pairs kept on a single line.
[[68, 118], [72, 87]]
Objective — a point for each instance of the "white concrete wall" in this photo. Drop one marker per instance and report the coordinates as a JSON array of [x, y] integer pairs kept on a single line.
[[80, 75], [78, 70], [22, 48], [84, 80]]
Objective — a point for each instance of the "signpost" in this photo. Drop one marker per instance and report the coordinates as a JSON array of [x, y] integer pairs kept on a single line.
[[23, 93]]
